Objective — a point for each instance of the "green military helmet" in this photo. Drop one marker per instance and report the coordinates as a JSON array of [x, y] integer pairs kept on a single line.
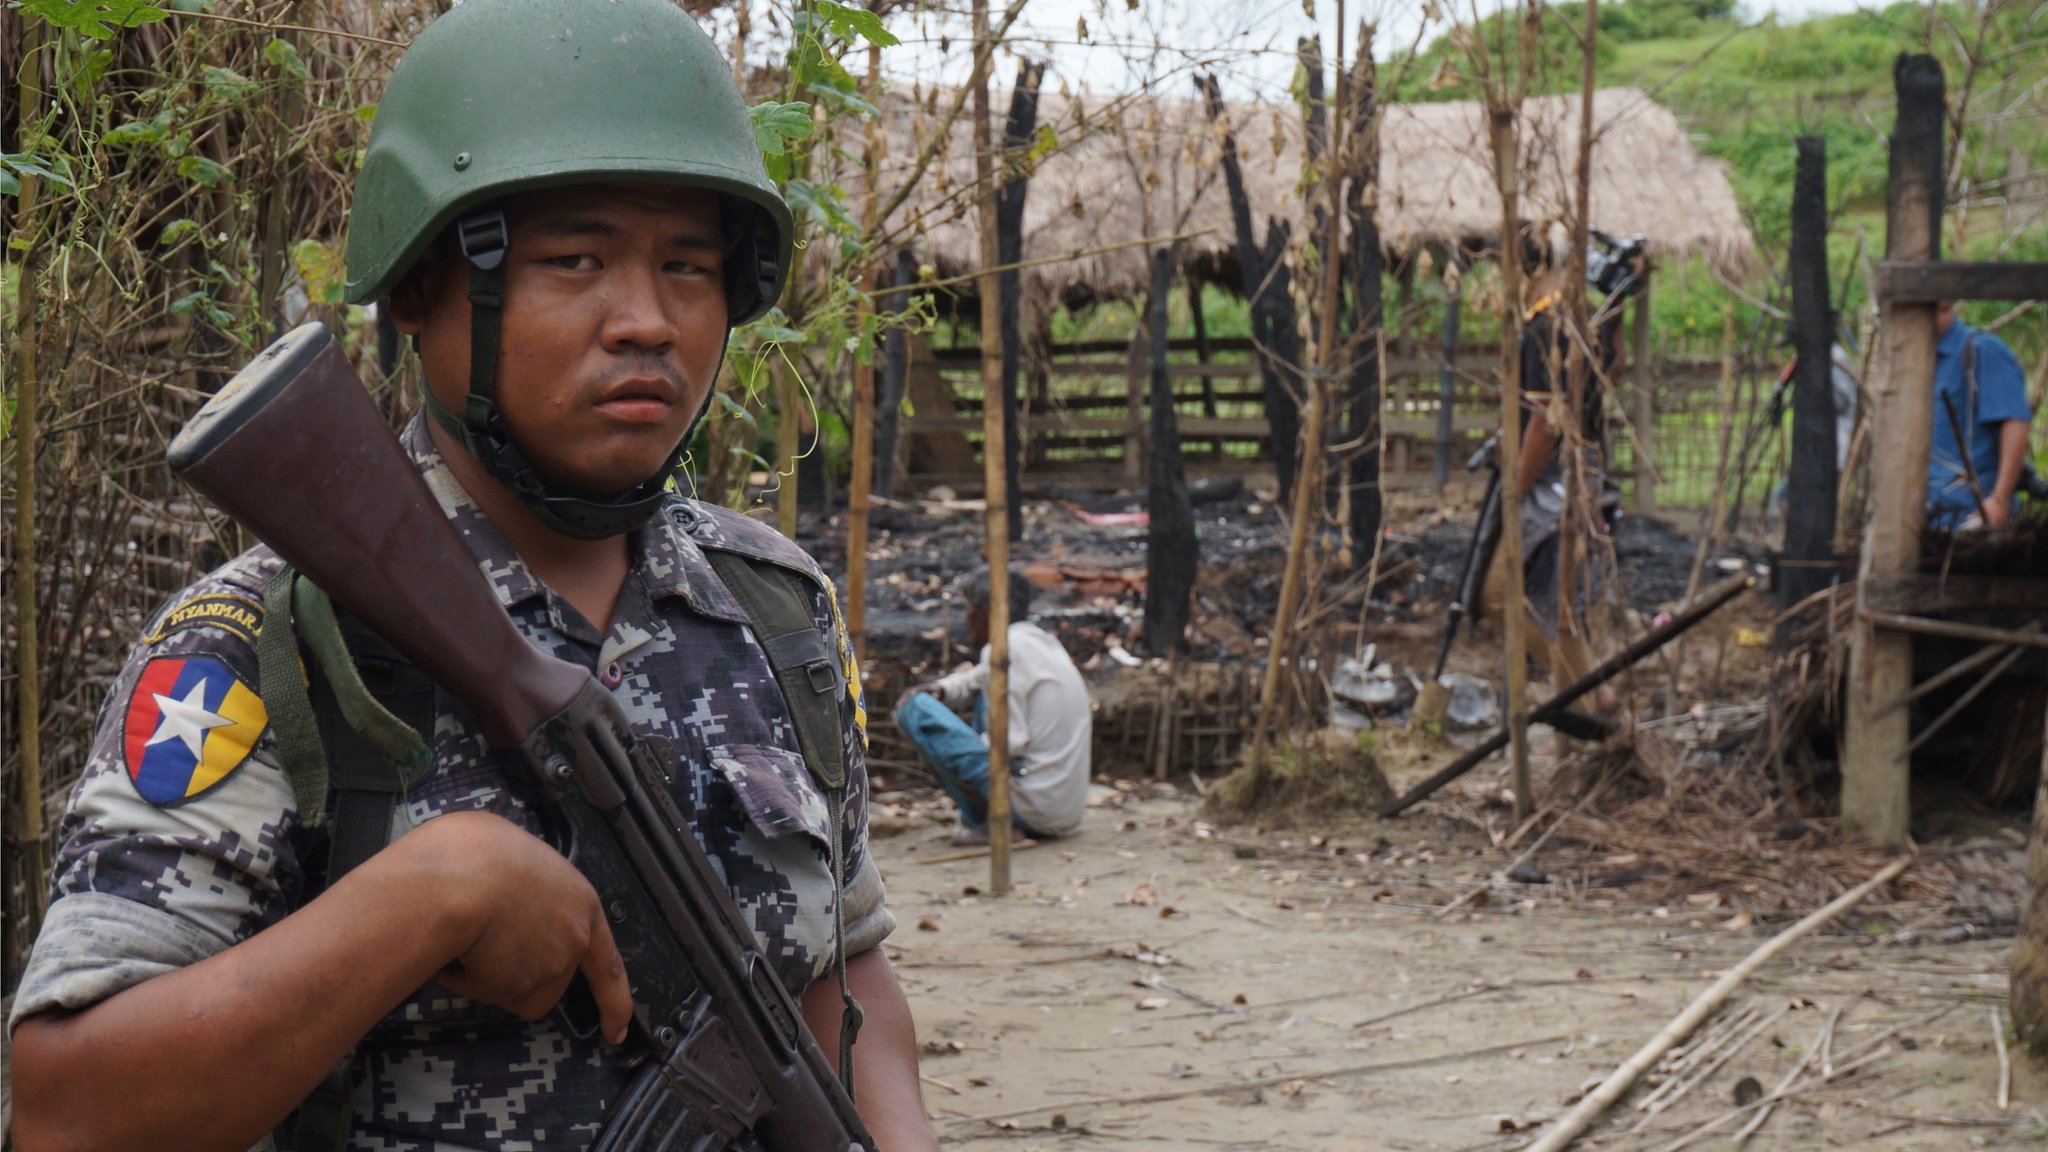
[[502, 96]]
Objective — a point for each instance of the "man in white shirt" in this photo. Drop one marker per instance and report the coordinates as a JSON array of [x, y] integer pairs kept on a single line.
[[1051, 725]]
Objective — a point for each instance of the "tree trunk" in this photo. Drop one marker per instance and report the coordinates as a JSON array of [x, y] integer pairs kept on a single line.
[[1308, 53], [1171, 553]]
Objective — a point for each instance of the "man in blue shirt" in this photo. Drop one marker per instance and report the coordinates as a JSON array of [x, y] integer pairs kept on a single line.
[[1979, 392]]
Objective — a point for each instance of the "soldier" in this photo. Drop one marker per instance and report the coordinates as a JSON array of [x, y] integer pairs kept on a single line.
[[564, 207]]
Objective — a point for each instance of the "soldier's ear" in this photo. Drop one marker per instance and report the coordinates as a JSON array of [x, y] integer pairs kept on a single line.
[[416, 293]]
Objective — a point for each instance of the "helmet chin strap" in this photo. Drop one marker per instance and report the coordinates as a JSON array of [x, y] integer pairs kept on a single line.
[[481, 426]]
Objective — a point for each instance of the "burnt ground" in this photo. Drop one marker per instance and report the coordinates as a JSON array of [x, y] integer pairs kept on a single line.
[[1092, 575]]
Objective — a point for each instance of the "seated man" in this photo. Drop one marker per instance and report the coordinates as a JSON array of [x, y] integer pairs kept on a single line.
[[1050, 724], [1980, 395]]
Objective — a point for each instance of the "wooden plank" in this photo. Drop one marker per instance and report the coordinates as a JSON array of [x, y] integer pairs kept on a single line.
[[1922, 594], [1932, 281], [1876, 799], [1922, 626]]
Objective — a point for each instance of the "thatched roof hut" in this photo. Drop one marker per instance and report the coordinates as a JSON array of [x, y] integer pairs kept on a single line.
[[1133, 167]]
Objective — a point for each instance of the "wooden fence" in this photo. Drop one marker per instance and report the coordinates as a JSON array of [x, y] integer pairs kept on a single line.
[[1084, 421]]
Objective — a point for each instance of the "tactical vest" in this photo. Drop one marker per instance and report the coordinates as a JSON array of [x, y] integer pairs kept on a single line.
[[354, 727]]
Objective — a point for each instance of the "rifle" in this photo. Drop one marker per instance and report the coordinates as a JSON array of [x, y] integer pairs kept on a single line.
[[726, 1048], [1478, 554]]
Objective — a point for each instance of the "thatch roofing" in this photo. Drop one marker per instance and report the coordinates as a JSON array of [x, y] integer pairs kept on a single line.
[[1129, 168]]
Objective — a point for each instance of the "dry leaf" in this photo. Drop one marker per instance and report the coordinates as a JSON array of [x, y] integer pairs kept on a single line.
[[1740, 922], [928, 924], [1144, 895]]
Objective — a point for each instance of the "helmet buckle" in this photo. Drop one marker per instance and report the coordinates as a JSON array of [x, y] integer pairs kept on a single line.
[[484, 238]]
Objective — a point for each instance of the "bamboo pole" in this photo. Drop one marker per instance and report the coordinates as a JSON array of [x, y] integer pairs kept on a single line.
[[28, 655], [1514, 610], [1576, 527], [995, 476], [1600, 1099], [1308, 480], [861, 482]]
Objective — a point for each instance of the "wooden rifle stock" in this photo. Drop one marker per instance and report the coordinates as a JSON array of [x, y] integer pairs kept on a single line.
[[294, 450]]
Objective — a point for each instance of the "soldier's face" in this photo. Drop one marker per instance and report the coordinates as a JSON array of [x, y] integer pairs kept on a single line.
[[614, 322]]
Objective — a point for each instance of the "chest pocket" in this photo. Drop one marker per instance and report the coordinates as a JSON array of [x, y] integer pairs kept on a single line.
[[774, 787]]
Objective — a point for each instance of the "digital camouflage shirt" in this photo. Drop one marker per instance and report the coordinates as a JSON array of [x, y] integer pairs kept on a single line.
[[182, 839]]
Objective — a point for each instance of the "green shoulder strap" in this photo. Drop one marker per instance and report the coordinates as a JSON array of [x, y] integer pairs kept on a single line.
[[778, 606], [366, 788], [777, 602]]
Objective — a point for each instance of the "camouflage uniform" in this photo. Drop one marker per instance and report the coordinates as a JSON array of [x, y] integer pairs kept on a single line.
[[140, 888]]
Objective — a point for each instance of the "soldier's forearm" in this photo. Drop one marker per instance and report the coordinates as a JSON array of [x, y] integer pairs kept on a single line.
[[215, 1055], [886, 1086]]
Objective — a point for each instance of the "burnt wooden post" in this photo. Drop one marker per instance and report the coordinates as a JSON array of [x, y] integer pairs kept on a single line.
[[1362, 407], [1875, 800], [1017, 133], [1810, 489], [1262, 294], [1447, 375], [1170, 550], [895, 371], [1203, 354]]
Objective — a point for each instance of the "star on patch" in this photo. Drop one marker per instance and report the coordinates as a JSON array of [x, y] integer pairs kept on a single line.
[[190, 722]]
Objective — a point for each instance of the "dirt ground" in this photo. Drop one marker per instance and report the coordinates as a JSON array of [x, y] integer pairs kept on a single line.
[[1155, 981]]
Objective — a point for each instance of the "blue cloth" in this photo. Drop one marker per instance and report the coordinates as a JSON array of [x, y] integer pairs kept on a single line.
[[956, 752], [2001, 396]]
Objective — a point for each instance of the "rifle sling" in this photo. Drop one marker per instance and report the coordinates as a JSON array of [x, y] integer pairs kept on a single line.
[[777, 602]]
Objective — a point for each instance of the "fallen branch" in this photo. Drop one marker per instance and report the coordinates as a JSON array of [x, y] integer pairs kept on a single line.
[[1261, 1082], [1785, 1093], [1600, 1099], [1549, 711], [1681, 1085], [1816, 1051]]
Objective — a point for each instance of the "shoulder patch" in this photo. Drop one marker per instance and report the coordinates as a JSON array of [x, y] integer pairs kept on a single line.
[[188, 724], [238, 616], [849, 665]]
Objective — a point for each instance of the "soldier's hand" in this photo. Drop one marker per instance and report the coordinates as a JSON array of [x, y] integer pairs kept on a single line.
[[531, 921]]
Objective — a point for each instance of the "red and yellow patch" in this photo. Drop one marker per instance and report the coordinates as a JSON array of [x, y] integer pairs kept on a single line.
[[190, 723]]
